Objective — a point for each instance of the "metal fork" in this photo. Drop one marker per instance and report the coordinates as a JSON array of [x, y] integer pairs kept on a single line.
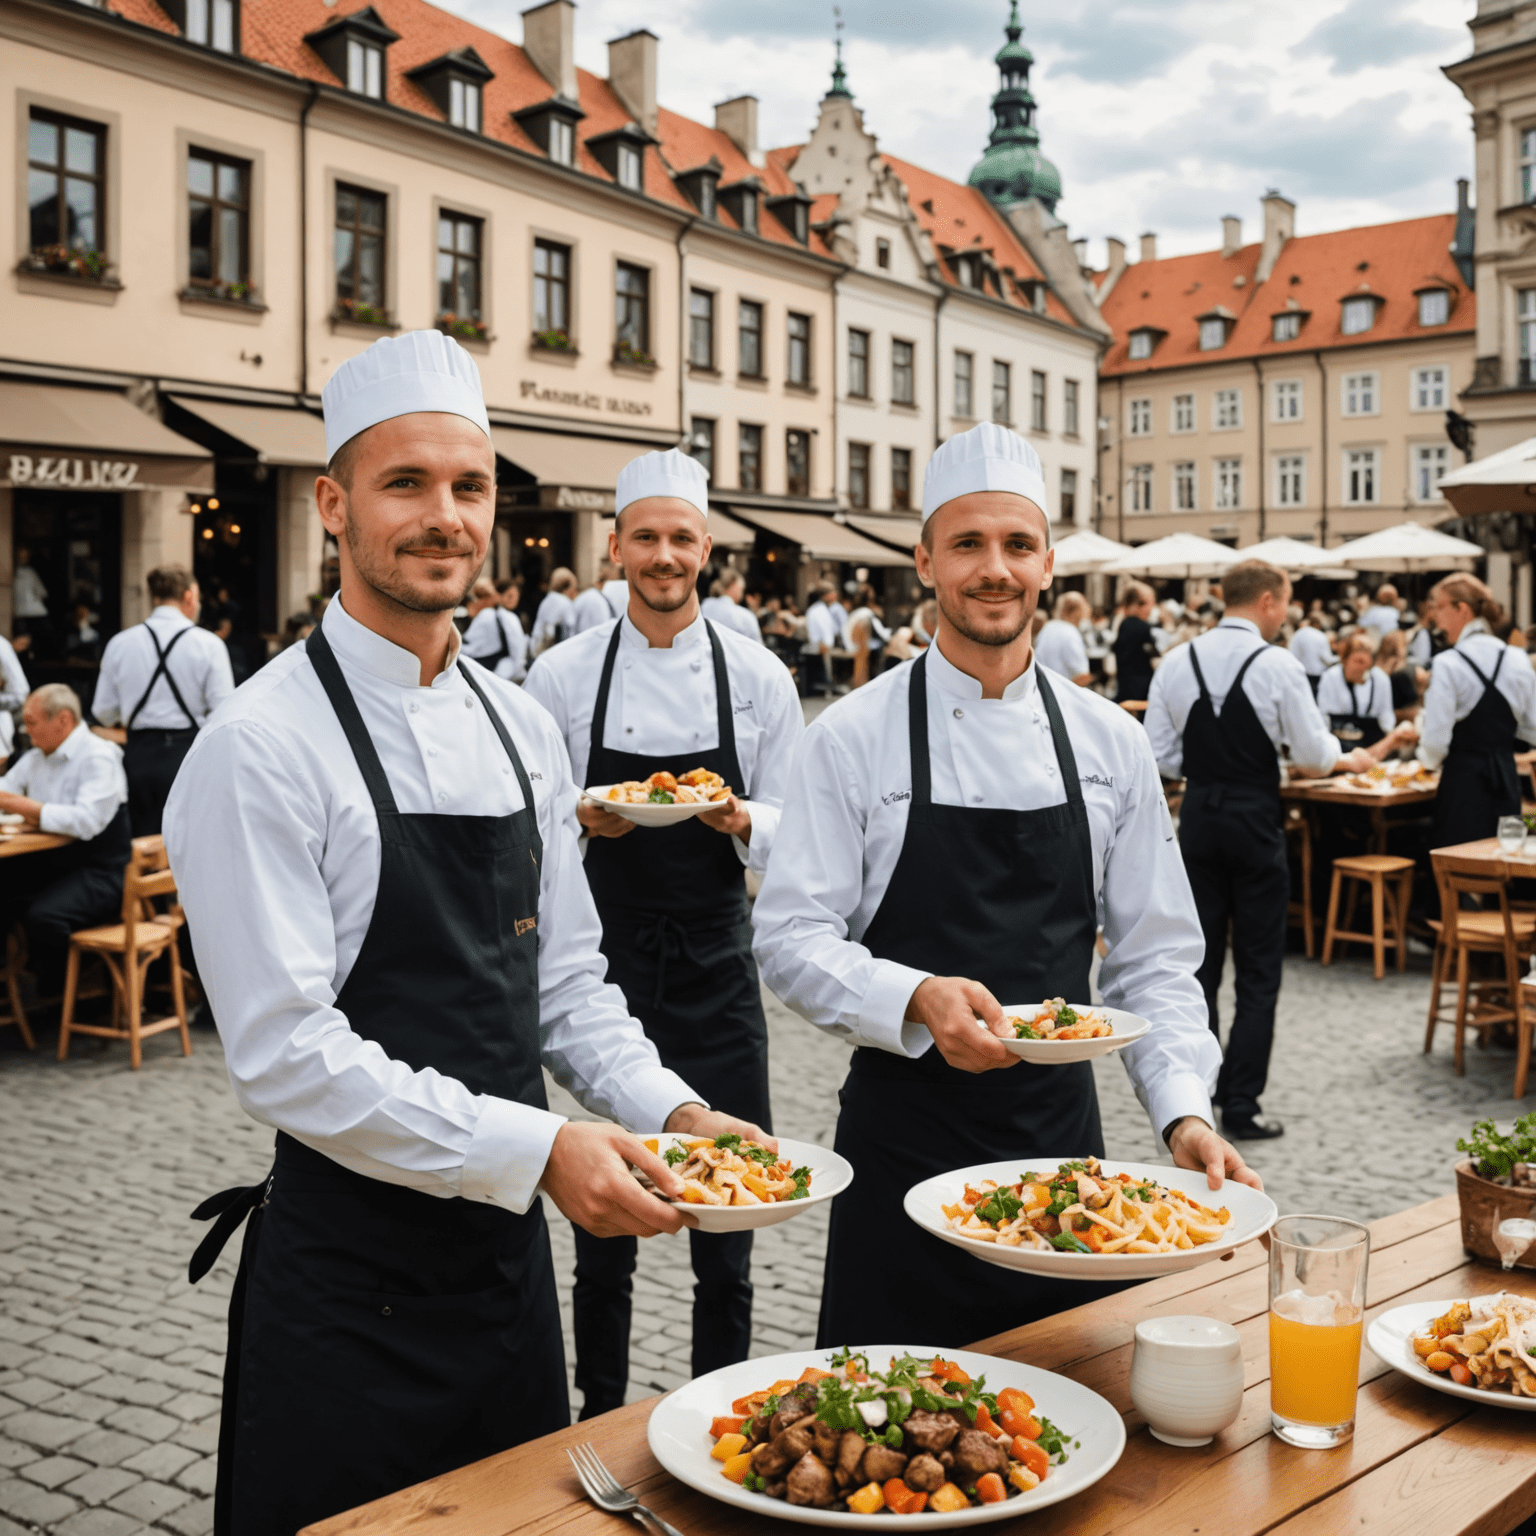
[[610, 1495]]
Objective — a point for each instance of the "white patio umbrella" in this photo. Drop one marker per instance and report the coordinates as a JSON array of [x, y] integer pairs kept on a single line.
[[1503, 482], [1184, 555], [1085, 551], [1408, 547], [1299, 559]]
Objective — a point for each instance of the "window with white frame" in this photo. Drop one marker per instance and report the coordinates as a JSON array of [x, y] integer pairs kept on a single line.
[[1286, 327], [630, 168], [1141, 346], [1290, 480], [1285, 398], [562, 141], [1229, 484], [1213, 333], [1528, 335], [1429, 389], [1362, 476], [1229, 408], [1139, 418], [1358, 317], [1434, 306], [1528, 166], [1430, 461], [1359, 391], [1183, 413], [1141, 488], [1184, 486], [464, 104], [365, 68]]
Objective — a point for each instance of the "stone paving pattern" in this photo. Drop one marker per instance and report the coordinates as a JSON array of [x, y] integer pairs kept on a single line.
[[110, 1363]]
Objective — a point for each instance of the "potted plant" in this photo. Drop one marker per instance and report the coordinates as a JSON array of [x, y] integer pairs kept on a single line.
[[361, 313], [553, 341], [464, 327], [1496, 1182], [69, 261], [628, 353]]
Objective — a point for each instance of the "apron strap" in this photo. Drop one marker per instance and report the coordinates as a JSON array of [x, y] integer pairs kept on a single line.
[[231, 1206], [1194, 661], [1066, 759], [1487, 682], [328, 670], [600, 708], [724, 715], [506, 741], [162, 669], [917, 733]]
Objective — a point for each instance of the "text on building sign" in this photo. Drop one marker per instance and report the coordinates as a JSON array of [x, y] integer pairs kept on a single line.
[[109, 474], [583, 399]]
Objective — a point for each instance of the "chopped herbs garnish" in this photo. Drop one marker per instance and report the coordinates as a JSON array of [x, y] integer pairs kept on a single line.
[[1025, 1031], [1052, 1441], [1001, 1206], [675, 1155], [729, 1142], [660, 797], [1067, 1243], [1066, 1017], [802, 1178]]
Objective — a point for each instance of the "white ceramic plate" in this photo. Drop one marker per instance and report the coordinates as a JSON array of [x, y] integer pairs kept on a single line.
[[10, 819], [679, 1434], [830, 1175], [1391, 1339], [645, 815], [1128, 1028], [1253, 1213]]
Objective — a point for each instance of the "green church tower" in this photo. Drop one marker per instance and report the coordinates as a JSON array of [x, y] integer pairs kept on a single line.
[[1013, 170]]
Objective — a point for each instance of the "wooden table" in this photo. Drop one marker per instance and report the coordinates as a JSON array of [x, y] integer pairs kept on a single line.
[[1486, 858], [1378, 802], [30, 842], [1421, 1463]]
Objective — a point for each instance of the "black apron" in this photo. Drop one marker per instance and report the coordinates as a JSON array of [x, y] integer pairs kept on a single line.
[[1006, 898], [503, 652], [1478, 781], [1359, 727], [153, 755], [379, 1335]]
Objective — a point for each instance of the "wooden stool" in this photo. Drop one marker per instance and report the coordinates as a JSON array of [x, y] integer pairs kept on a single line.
[[1373, 869], [1298, 827], [18, 1014]]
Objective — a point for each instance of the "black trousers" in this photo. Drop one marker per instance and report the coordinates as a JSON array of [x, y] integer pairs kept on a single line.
[[51, 902], [722, 1309], [1234, 853], [151, 760]]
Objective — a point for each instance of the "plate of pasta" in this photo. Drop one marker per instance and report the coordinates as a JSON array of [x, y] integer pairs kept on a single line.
[[1056, 1032], [1094, 1220], [1482, 1348], [662, 799], [731, 1185]]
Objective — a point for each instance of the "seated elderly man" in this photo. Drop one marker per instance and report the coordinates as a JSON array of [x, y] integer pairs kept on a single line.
[[71, 782]]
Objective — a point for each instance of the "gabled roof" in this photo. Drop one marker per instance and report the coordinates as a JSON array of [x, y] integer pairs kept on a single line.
[[1312, 275]]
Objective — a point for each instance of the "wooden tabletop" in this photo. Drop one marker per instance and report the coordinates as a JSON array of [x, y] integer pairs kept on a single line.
[[1336, 792], [1485, 857], [1420, 1461], [12, 844]]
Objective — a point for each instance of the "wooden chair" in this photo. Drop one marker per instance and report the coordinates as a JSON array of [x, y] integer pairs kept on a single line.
[[128, 949], [1463, 933], [18, 1014], [1374, 870], [1299, 829]]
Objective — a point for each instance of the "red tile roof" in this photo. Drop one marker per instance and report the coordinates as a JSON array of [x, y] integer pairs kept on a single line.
[[1313, 274]]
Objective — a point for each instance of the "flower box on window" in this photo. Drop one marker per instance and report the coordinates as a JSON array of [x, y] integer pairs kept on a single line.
[[90, 266], [632, 356], [225, 293], [463, 327], [361, 314], [554, 341]]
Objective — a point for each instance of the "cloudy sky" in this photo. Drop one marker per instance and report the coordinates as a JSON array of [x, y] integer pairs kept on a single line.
[[1160, 114]]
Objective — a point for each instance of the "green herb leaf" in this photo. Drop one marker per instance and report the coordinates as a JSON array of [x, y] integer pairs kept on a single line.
[[659, 797], [1000, 1206], [729, 1142], [675, 1155], [1066, 1017], [1023, 1030], [1067, 1243]]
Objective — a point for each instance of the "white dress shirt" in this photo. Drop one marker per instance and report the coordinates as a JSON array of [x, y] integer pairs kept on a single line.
[[1454, 689], [275, 844], [845, 819], [200, 665], [482, 640], [556, 612], [13, 694], [823, 626], [80, 783], [661, 703], [1381, 618], [1371, 697], [727, 613], [1059, 646], [592, 608], [1275, 685], [29, 597], [1421, 647], [1311, 648]]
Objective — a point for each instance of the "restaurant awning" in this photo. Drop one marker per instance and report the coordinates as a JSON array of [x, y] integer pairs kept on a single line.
[[275, 435], [53, 437], [821, 537], [899, 532], [1503, 482], [579, 471]]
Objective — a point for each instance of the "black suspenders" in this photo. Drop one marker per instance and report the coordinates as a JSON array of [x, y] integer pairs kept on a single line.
[[162, 669]]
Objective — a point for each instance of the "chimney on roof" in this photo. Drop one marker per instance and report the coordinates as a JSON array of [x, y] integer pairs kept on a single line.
[[737, 120], [1149, 246], [1279, 226], [1116, 250], [549, 40], [1231, 234], [1080, 251], [632, 74]]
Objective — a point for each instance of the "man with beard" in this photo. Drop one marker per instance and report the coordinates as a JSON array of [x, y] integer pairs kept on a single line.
[[950, 836], [374, 843], [663, 688]]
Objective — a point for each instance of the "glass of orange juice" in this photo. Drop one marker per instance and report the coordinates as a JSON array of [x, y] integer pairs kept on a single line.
[[1317, 1269]]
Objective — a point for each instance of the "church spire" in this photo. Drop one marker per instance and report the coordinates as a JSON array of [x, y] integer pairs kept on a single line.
[[1013, 170], [839, 78]]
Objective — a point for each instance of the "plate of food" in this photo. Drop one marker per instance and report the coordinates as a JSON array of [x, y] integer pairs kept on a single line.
[[662, 799], [1482, 1348], [1056, 1032], [731, 1185], [832, 1437], [1092, 1220]]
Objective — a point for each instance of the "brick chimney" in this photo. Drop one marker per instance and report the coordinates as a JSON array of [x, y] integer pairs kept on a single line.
[[1116, 250], [632, 74], [737, 120], [1149, 246], [549, 40], [1279, 226], [1231, 234]]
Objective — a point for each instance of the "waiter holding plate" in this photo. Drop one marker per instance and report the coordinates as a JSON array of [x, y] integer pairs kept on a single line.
[[663, 688], [373, 840], [950, 836]]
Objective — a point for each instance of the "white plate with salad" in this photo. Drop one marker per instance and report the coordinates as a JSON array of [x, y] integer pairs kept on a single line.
[[1082, 1031], [731, 1185]]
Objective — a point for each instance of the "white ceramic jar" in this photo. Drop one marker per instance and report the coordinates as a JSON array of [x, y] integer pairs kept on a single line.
[[1187, 1377]]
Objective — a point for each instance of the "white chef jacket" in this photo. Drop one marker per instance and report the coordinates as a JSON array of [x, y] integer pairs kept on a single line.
[[1381, 618], [80, 783], [1311, 648], [13, 694], [661, 702], [593, 607], [29, 597], [823, 626], [200, 665], [556, 612], [275, 844], [482, 640], [1454, 690], [1060, 647], [1275, 684], [845, 819], [1372, 696], [727, 613]]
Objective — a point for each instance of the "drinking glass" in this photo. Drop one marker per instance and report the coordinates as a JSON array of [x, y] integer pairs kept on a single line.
[[1511, 835], [1317, 1269]]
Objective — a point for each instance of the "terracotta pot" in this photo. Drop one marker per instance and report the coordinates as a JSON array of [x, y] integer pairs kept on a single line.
[[1482, 1203]]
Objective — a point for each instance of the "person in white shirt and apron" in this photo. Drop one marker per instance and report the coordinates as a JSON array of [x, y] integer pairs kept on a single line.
[[1219, 711], [724, 606], [374, 841], [160, 706], [1310, 646], [664, 688], [1482, 696], [495, 635], [596, 605], [950, 837], [1355, 697]]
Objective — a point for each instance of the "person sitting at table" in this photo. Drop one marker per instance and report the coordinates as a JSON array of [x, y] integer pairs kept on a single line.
[[1406, 677], [1356, 697], [1482, 695], [70, 783]]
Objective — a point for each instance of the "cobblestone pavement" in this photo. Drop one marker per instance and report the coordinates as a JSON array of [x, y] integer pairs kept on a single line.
[[110, 1362]]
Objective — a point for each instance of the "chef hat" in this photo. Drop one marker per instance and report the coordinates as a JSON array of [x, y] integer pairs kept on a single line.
[[672, 473], [987, 458], [396, 376]]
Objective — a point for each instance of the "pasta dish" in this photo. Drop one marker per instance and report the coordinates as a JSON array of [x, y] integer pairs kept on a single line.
[[1082, 1209], [662, 788], [1056, 1021], [730, 1171], [921, 1435], [1388, 776], [1488, 1342]]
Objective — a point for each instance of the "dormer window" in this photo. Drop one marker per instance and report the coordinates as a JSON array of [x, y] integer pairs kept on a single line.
[[1359, 314], [352, 48], [456, 83], [552, 126], [793, 211], [1033, 292], [1215, 326], [1142, 344], [621, 152], [211, 23], [464, 105], [969, 271], [1285, 326], [1434, 306], [740, 200], [699, 186], [365, 69], [629, 167]]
